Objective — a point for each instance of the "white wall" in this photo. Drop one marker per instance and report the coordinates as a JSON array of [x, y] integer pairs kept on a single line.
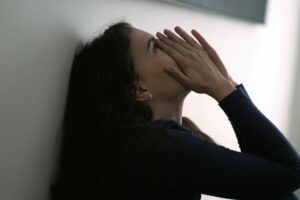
[[37, 42]]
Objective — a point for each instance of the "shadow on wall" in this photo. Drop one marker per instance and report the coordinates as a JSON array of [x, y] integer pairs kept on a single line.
[[37, 48]]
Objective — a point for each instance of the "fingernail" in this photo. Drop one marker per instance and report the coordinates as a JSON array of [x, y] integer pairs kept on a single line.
[[167, 30], [177, 28], [159, 34]]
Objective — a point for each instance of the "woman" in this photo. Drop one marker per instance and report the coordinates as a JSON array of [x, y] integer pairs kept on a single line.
[[124, 136]]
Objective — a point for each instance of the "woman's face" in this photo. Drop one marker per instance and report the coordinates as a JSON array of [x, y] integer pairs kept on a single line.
[[149, 63]]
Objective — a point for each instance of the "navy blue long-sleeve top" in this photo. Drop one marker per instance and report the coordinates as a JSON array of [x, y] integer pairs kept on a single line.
[[268, 167]]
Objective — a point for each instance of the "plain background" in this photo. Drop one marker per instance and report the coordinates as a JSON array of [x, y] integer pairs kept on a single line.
[[37, 43]]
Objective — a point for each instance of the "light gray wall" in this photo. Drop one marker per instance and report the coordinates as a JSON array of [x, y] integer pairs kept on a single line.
[[36, 48]]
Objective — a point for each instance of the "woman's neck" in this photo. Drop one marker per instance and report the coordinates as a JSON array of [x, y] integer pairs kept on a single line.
[[168, 111], [163, 109]]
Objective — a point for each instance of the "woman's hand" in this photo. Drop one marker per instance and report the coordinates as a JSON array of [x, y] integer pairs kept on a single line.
[[201, 70], [213, 55]]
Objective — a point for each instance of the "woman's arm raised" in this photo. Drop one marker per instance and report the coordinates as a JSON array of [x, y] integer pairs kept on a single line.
[[271, 166]]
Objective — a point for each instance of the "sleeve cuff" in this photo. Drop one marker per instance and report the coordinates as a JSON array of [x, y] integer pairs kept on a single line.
[[239, 93]]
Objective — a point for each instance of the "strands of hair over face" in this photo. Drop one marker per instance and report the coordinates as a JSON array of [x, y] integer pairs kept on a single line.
[[103, 124]]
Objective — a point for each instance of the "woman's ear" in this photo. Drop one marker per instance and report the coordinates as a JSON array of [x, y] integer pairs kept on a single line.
[[142, 93]]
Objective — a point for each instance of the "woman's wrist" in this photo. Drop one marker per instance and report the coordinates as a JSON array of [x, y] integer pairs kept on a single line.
[[233, 81], [222, 90]]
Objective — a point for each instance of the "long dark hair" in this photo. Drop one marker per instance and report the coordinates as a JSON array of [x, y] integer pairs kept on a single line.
[[102, 120], [195, 130]]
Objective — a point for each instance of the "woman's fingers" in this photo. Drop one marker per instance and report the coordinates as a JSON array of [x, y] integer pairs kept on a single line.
[[174, 44], [201, 40], [188, 38], [169, 49], [177, 39], [178, 75], [211, 53], [173, 71]]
